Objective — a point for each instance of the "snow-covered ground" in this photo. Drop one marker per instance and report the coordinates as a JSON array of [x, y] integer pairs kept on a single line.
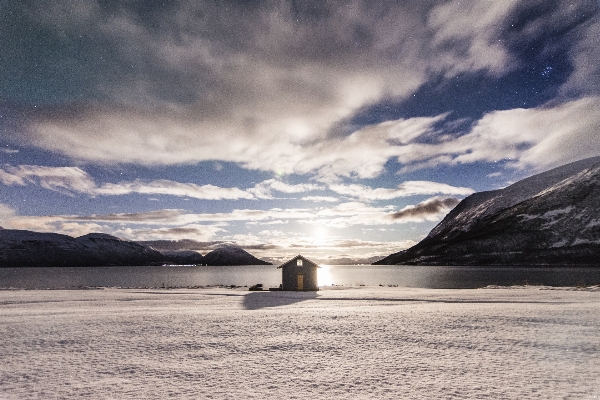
[[361, 342]]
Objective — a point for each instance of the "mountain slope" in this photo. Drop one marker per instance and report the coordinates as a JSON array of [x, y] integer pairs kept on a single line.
[[231, 255], [19, 248], [182, 257], [552, 218]]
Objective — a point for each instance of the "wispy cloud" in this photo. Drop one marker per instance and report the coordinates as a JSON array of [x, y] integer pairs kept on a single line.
[[430, 208], [409, 188], [182, 244], [181, 217], [264, 190], [194, 232], [176, 224], [71, 180], [541, 138], [538, 138], [62, 179], [171, 188], [6, 212], [319, 199]]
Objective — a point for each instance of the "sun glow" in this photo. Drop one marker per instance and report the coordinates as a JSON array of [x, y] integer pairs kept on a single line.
[[320, 235], [324, 277]]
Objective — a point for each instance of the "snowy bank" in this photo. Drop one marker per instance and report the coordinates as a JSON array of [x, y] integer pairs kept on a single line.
[[361, 342]]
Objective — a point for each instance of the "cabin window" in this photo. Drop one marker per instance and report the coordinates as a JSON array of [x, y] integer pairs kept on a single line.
[[299, 262]]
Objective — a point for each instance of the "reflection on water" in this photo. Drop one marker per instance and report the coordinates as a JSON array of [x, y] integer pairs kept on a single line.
[[270, 276], [324, 277]]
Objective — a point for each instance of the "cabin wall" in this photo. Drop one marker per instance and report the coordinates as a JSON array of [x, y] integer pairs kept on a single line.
[[289, 277]]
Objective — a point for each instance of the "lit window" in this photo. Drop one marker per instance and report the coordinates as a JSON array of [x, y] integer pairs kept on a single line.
[[299, 262]]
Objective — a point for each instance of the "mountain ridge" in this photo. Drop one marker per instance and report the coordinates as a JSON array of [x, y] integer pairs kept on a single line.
[[546, 219], [225, 255], [23, 248]]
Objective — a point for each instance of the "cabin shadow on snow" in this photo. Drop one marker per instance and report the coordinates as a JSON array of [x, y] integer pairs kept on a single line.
[[258, 300]]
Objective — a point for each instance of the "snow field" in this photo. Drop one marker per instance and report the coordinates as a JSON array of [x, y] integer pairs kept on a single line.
[[354, 343]]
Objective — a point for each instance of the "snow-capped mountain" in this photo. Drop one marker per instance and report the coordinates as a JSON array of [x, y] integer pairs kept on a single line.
[[19, 248], [552, 218], [231, 255]]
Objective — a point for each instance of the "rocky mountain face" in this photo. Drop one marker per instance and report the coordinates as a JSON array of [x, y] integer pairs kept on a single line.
[[552, 218], [19, 248], [231, 255]]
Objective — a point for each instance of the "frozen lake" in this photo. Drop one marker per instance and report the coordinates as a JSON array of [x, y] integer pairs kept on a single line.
[[270, 276], [339, 343]]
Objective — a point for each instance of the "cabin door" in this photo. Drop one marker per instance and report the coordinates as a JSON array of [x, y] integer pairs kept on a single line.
[[300, 285]]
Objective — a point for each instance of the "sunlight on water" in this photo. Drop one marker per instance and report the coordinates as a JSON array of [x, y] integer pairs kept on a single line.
[[339, 275], [324, 275]]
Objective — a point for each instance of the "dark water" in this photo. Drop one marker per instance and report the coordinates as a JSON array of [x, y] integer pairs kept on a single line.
[[270, 276]]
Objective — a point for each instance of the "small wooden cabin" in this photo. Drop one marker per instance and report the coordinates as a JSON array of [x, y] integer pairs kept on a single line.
[[299, 274]]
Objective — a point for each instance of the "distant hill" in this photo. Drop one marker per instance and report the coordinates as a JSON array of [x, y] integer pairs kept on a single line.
[[20, 248], [182, 257], [552, 218], [231, 255], [184, 251]]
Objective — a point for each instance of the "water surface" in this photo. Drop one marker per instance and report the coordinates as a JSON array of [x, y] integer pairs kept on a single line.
[[270, 276]]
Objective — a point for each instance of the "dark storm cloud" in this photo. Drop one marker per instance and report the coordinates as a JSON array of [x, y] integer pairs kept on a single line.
[[427, 208]]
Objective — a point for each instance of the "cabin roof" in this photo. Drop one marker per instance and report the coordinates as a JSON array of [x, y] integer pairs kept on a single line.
[[304, 260]]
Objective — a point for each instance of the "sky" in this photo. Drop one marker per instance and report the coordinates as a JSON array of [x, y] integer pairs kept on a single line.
[[340, 130]]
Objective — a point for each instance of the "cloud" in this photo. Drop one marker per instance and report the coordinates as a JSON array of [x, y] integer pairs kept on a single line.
[[182, 244], [319, 199], [62, 179], [181, 217], [71, 180], [352, 213], [585, 78], [54, 224], [266, 86], [193, 232], [468, 34], [280, 240], [261, 86], [274, 222], [271, 233], [10, 179], [537, 138], [349, 260], [167, 187], [409, 188], [6, 212], [165, 216], [263, 190], [428, 209], [176, 224]]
